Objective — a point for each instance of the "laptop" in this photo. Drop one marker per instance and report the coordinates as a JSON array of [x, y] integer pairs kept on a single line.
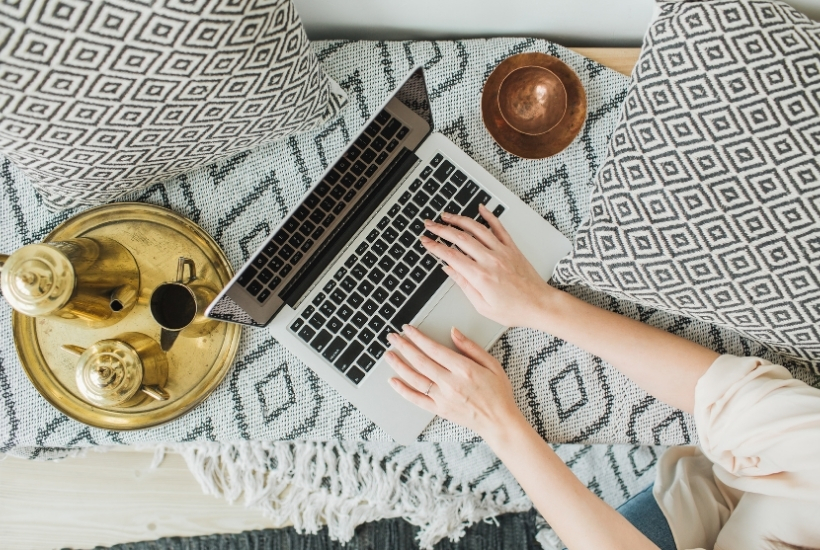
[[345, 268]]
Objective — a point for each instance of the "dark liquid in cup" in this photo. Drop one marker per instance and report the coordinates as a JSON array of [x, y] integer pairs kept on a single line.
[[173, 306]]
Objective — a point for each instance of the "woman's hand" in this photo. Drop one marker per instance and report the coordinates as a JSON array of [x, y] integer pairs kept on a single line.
[[469, 388], [496, 277]]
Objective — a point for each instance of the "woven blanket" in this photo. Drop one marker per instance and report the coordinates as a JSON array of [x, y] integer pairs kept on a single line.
[[567, 394]]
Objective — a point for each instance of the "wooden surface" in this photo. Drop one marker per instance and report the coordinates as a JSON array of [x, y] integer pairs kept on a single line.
[[111, 498]]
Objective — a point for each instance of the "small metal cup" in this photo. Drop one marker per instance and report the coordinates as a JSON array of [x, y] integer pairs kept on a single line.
[[179, 306], [121, 371]]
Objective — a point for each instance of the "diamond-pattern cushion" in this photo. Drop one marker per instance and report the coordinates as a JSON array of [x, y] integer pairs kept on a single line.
[[708, 203], [102, 97]]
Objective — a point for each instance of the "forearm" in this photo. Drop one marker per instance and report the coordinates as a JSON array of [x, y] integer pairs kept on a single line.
[[581, 519], [666, 366]]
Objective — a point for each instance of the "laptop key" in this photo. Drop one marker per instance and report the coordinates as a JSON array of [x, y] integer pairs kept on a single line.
[[263, 296], [376, 350], [365, 362], [463, 196], [334, 349], [317, 216], [458, 178], [401, 270], [362, 141], [370, 259], [345, 360], [415, 185], [428, 261], [353, 153], [339, 207], [371, 170], [411, 258], [338, 296], [366, 336], [395, 143], [361, 249], [379, 247], [307, 245], [380, 295], [344, 312], [397, 299], [407, 239], [416, 227], [318, 233], [355, 299], [296, 257], [420, 297], [391, 128], [388, 330], [383, 222], [382, 157], [340, 273], [274, 282], [421, 198], [400, 222], [407, 287], [378, 144], [427, 214], [397, 251], [370, 307], [327, 204], [307, 333], [349, 180], [394, 210], [386, 263], [358, 167], [387, 311], [390, 234], [437, 160], [337, 192], [472, 209], [317, 321], [260, 261], [247, 276], [329, 286], [418, 274], [382, 117], [401, 133], [365, 288], [498, 210], [355, 374], [452, 208], [308, 312], [297, 324], [285, 270], [444, 171], [265, 275], [376, 323], [254, 288], [373, 235], [360, 182], [410, 210], [327, 309], [312, 200], [342, 165], [430, 186], [349, 331], [351, 261], [419, 248], [390, 282], [359, 319], [276, 263], [348, 283], [376, 276], [334, 325], [426, 172], [448, 190], [438, 202], [372, 129], [359, 271]]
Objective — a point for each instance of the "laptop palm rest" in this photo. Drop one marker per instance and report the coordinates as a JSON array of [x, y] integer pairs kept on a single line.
[[455, 310]]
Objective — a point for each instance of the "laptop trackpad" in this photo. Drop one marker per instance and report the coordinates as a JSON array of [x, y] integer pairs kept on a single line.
[[455, 310]]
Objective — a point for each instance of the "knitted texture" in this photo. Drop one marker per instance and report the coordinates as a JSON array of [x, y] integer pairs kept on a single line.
[[102, 97], [708, 202]]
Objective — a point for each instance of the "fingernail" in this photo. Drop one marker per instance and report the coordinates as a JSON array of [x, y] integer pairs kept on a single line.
[[446, 215], [391, 337], [428, 223], [407, 328], [425, 239], [456, 333]]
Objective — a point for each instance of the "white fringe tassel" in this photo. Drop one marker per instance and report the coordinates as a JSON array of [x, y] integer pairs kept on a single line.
[[312, 484]]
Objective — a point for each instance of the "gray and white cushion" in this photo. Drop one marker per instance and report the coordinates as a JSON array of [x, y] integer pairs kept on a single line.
[[102, 97], [708, 203]]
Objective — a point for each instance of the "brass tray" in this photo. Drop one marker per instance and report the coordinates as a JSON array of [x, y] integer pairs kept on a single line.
[[156, 237]]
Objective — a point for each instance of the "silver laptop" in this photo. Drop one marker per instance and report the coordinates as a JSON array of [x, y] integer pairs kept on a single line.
[[345, 268]]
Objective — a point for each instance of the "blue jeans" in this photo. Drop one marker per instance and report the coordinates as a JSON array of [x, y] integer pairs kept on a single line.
[[643, 512]]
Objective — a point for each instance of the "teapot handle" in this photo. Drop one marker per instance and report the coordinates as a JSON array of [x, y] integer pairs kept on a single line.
[[156, 392], [3, 259]]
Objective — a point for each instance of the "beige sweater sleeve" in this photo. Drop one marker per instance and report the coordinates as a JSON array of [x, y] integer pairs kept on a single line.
[[760, 427]]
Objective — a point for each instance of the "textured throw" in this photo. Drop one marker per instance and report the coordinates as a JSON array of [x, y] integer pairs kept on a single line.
[[567, 394]]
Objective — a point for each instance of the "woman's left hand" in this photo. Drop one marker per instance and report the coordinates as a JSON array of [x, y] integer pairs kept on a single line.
[[469, 388]]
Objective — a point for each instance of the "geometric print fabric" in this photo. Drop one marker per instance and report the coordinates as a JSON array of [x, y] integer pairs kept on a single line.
[[708, 203], [102, 97]]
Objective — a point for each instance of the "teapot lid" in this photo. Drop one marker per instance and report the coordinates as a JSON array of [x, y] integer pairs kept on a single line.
[[37, 280], [109, 373]]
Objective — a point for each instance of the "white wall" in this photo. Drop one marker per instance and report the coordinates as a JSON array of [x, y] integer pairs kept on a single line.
[[570, 22]]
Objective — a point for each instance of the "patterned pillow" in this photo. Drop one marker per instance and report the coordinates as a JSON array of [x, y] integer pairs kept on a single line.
[[101, 97], [708, 203]]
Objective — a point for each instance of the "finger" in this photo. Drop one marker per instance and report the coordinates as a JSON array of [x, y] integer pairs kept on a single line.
[[449, 255], [442, 355], [462, 239], [495, 225], [411, 376], [472, 350], [416, 398], [417, 359], [481, 233], [469, 290]]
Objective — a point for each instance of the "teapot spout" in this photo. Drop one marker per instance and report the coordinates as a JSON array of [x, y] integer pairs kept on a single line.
[[73, 350]]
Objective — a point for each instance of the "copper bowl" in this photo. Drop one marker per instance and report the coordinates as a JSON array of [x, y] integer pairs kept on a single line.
[[532, 100], [514, 128]]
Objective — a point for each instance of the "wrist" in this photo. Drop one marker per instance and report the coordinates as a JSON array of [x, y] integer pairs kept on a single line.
[[544, 307], [506, 431]]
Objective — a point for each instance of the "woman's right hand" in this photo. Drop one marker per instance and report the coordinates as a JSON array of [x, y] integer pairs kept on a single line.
[[496, 277]]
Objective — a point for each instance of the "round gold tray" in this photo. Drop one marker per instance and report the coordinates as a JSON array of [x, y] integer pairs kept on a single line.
[[156, 237]]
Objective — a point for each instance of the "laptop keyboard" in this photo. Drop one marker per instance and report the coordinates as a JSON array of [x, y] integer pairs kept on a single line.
[[388, 276], [338, 188]]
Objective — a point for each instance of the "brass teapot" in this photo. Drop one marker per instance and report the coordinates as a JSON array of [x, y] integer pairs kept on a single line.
[[93, 282]]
